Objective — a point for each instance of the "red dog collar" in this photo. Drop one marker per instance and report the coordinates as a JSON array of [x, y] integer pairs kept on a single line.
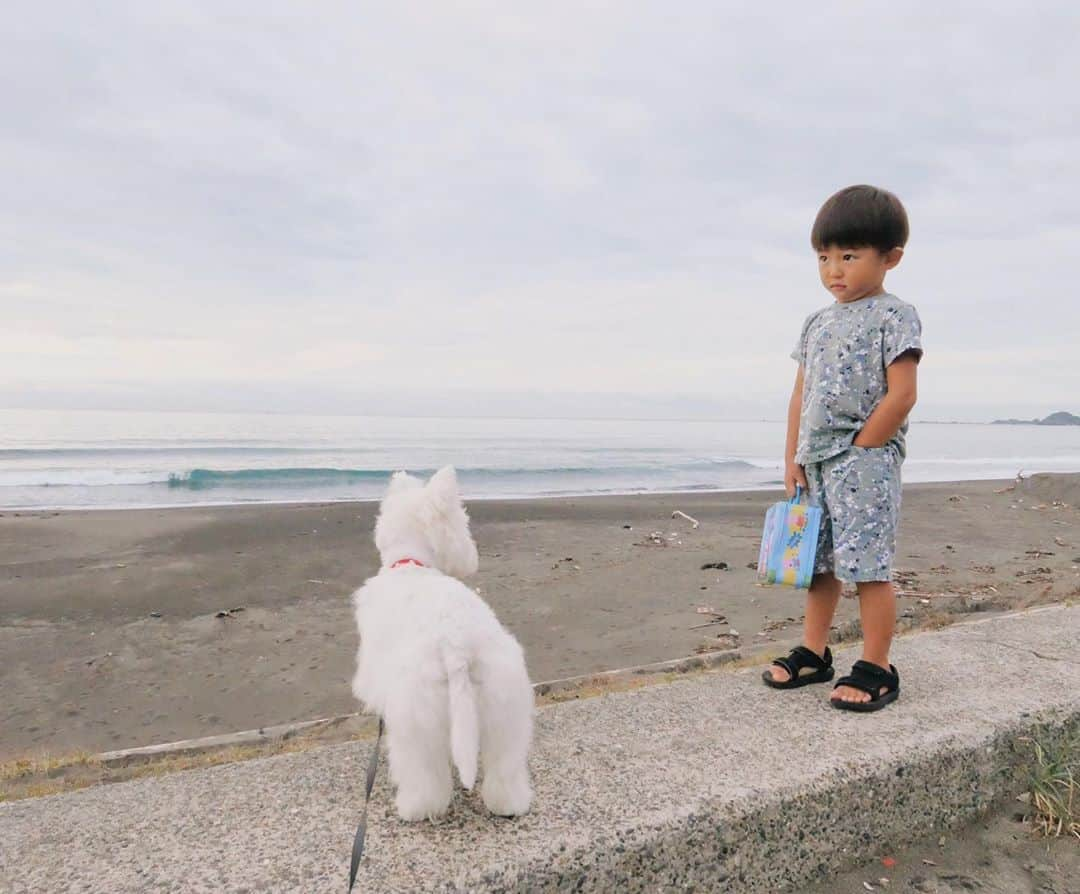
[[408, 562]]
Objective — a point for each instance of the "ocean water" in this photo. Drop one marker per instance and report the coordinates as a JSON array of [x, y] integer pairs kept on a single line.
[[96, 459]]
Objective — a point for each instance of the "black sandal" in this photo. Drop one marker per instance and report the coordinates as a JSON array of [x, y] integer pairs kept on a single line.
[[869, 678], [795, 662]]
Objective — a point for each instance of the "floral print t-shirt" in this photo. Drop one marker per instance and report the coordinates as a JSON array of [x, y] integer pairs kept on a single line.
[[844, 350]]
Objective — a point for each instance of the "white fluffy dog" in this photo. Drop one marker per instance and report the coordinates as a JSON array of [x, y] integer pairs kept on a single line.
[[448, 680]]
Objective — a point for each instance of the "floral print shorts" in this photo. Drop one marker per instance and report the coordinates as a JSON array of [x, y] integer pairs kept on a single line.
[[859, 495]]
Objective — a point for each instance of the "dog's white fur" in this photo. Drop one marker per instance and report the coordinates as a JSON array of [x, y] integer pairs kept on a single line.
[[434, 662]]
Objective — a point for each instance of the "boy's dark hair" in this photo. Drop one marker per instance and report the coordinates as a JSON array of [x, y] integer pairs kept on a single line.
[[859, 216]]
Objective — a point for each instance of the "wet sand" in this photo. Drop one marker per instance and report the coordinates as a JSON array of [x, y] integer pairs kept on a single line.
[[110, 638]]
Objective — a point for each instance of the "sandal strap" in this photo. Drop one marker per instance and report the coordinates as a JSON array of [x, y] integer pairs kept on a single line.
[[870, 678], [792, 671], [801, 657], [810, 658], [890, 676]]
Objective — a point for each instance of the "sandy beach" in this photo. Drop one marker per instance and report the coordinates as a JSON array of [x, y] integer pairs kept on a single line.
[[998, 854], [126, 628]]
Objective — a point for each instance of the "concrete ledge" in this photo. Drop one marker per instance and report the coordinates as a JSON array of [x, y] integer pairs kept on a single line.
[[710, 782], [263, 736]]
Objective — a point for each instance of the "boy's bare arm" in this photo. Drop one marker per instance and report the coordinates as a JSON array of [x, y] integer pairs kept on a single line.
[[889, 415], [793, 472]]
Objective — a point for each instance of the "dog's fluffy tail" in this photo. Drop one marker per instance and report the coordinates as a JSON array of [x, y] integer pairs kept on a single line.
[[464, 719]]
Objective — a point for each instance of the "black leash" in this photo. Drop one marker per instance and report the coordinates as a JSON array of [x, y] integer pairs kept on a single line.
[[358, 841]]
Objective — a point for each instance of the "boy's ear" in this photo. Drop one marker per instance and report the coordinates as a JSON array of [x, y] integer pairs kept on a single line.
[[893, 257], [443, 485]]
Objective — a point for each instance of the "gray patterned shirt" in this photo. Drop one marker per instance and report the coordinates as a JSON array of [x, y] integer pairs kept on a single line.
[[844, 350]]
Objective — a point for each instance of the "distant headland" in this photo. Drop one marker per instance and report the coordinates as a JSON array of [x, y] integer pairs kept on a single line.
[[1059, 418]]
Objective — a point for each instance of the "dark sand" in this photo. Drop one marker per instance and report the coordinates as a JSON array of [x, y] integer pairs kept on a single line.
[[998, 855], [108, 634]]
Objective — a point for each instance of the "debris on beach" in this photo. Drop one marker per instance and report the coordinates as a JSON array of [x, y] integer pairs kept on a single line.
[[678, 513], [1041, 575], [905, 579], [1059, 541], [1011, 487], [656, 538], [716, 618], [956, 498], [712, 623], [720, 566], [771, 624], [229, 612], [975, 593], [729, 639]]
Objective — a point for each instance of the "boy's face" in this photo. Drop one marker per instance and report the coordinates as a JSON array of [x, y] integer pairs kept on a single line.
[[853, 272]]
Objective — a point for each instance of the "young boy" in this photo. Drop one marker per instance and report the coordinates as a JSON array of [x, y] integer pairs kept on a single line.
[[845, 438]]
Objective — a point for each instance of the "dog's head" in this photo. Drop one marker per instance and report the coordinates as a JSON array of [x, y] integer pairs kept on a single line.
[[429, 515]]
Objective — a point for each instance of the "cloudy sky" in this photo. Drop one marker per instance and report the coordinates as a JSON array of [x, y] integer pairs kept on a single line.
[[510, 207]]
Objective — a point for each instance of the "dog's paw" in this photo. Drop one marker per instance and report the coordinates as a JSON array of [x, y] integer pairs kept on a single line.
[[414, 809], [505, 798]]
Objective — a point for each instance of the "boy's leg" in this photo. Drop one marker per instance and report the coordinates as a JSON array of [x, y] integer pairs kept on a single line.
[[877, 611], [865, 485], [824, 592], [821, 601]]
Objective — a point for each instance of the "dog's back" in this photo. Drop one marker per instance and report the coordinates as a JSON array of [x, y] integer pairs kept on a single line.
[[408, 618]]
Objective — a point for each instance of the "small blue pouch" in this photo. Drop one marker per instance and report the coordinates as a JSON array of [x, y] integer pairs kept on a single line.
[[789, 543]]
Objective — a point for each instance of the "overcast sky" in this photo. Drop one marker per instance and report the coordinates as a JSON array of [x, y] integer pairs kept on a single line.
[[415, 206]]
